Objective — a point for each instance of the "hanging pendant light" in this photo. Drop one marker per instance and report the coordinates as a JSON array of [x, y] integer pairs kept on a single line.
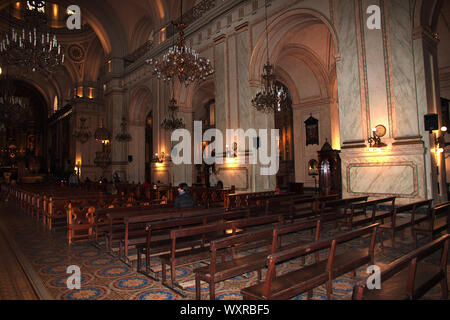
[[172, 122], [272, 98]]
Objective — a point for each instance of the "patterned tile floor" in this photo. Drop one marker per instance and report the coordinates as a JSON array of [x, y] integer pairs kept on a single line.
[[105, 277]]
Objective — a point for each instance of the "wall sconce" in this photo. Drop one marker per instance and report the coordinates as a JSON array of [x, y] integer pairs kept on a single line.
[[159, 158], [233, 152], [439, 142], [375, 141], [78, 168]]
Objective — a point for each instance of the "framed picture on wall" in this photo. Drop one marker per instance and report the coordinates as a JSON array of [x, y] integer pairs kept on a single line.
[[312, 131]]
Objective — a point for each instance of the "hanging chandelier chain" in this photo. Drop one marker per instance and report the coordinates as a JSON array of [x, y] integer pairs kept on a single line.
[[267, 32], [272, 98]]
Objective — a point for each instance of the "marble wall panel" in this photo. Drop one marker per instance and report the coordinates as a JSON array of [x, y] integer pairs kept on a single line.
[[348, 74], [398, 171], [383, 179], [402, 63], [376, 72], [237, 176]]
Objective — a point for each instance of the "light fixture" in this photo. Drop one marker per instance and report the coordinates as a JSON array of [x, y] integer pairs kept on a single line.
[[33, 48], [102, 158], [124, 136], [82, 134], [102, 135], [159, 158], [271, 98], [181, 61], [13, 108], [172, 122], [439, 142], [375, 141]]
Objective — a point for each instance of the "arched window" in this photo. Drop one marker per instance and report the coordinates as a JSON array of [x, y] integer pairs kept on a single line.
[[55, 104]]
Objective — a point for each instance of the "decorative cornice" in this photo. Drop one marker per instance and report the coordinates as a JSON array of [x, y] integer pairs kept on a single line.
[[313, 102]]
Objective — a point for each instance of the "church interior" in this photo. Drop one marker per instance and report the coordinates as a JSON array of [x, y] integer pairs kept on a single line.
[[224, 150]]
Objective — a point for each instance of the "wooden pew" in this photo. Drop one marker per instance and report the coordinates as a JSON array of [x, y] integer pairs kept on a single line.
[[102, 223], [408, 279], [396, 222], [217, 272], [151, 247], [358, 214], [311, 276], [309, 208], [339, 206], [158, 240], [80, 223], [134, 224], [437, 222], [241, 200], [207, 234], [136, 231]]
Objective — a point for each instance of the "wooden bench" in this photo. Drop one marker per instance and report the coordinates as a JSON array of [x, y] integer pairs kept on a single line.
[[134, 225], [339, 206], [306, 208], [158, 240], [282, 202], [207, 234], [152, 247], [437, 222], [396, 222], [407, 279], [217, 272], [102, 223], [241, 200], [80, 223], [146, 228], [305, 279], [358, 214]]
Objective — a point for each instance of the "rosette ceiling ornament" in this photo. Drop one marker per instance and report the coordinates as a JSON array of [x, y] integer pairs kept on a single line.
[[33, 47], [271, 98], [181, 61]]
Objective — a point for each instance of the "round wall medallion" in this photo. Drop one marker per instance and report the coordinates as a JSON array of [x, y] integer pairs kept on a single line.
[[76, 53]]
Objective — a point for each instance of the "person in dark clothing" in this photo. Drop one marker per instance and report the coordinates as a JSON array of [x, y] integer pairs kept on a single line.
[[184, 199]]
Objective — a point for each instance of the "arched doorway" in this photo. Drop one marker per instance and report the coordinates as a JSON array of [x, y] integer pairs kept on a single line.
[[303, 49], [23, 129], [141, 118], [203, 107], [284, 122]]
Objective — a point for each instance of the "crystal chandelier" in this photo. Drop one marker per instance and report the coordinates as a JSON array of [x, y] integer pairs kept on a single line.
[[181, 61], [33, 47], [12, 108], [172, 122], [271, 98]]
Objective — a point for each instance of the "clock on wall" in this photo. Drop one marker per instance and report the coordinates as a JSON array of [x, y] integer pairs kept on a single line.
[[380, 131]]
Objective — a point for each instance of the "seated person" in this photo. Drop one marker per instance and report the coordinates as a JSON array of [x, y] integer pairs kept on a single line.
[[184, 199], [219, 185], [111, 189], [73, 179], [213, 180]]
